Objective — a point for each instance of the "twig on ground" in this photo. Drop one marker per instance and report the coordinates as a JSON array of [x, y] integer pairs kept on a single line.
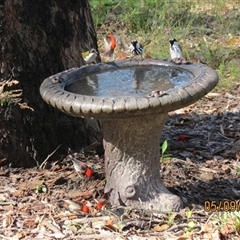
[[180, 226], [42, 166], [230, 139], [210, 217], [8, 238]]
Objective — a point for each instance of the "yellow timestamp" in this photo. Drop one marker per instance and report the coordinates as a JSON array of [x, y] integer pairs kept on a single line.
[[222, 206]]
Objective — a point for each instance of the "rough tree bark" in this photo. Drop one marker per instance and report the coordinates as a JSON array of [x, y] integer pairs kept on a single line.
[[40, 38]]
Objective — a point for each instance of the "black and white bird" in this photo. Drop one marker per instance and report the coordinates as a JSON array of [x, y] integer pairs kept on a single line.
[[136, 48], [175, 49], [176, 52]]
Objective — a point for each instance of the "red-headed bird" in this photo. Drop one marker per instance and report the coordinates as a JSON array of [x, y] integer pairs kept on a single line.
[[75, 206], [188, 137], [82, 168], [110, 43], [103, 199]]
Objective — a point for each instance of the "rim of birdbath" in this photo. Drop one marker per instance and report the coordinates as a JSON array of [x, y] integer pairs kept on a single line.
[[131, 127], [100, 107]]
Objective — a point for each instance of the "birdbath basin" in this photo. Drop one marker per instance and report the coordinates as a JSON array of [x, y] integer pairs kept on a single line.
[[132, 99]]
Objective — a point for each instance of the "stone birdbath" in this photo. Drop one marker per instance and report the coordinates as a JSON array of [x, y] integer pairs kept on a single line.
[[132, 99]]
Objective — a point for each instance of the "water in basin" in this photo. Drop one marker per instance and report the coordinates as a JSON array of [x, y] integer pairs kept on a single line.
[[136, 81]]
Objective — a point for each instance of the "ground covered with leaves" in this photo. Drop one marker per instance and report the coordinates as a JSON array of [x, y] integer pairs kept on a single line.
[[201, 165]]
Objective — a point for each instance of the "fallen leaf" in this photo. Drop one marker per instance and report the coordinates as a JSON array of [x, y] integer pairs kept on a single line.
[[17, 193], [3, 160], [212, 95], [206, 176], [207, 170], [83, 195], [161, 228], [30, 223], [226, 168], [209, 231], [29, 185], [7, 221], [183, 238], [229, 227]]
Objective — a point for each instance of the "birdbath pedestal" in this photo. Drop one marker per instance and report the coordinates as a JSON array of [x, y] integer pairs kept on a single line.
[[132, 99]]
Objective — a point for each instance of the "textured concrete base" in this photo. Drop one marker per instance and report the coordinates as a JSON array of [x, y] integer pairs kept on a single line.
[[132, 163]]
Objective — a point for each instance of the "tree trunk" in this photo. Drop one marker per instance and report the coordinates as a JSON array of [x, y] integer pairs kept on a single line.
[[40, 38]]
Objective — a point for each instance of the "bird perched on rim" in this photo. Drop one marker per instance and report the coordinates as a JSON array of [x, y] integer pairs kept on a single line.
[[109, 44], [176, 52], [82, 168], [91, 57], [175, 49], [137, 48]]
